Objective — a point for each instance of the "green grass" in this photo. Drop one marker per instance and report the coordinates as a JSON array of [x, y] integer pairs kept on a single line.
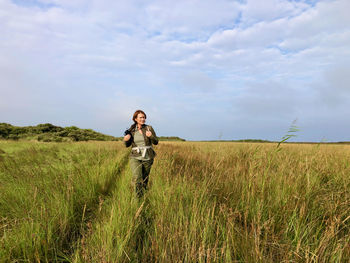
[[48, 191], [207, 202]]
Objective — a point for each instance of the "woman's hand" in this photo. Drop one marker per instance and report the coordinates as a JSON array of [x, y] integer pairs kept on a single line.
[[127, 135], [148, 132]]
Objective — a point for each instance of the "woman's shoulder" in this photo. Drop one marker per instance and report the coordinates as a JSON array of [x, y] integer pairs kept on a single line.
[[132, 127]]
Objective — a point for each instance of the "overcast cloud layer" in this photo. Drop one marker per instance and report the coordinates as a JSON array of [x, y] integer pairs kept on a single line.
[[200, 69]]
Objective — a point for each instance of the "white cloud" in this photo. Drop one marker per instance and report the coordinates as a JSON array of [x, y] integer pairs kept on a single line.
[[261, 34], [269, 10], [191, 17], [264, 56]]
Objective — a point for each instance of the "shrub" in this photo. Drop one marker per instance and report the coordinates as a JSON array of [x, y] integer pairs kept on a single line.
[[14, 137]]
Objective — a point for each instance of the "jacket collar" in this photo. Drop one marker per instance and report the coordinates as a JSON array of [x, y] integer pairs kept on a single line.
[[143, 126]]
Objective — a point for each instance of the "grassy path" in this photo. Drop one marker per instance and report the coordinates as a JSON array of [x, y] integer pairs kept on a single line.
[[116, 234], [92, 210]]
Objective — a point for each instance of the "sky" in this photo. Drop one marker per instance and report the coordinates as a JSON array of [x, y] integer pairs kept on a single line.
[[200, 69]]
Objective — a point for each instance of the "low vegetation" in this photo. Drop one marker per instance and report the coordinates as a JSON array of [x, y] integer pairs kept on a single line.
[[171, 138], [51, 133], [207, 202]]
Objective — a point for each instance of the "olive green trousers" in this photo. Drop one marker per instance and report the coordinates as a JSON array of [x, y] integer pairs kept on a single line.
[[140, 174]]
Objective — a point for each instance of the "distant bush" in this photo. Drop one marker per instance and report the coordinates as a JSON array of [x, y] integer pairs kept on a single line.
[[48, 127], [344, 142], [252, 140], [51, 133], [171, 138], [5, 130], [49, 138], [14, 137]]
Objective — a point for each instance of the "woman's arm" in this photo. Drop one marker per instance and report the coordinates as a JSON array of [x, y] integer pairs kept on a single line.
[[153, 137], [127, 138]]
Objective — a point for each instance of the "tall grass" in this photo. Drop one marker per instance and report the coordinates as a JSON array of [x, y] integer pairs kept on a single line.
[[231, 203], [48, 191], [207, 202]]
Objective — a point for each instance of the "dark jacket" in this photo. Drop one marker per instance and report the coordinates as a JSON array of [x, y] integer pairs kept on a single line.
[[148, 140]]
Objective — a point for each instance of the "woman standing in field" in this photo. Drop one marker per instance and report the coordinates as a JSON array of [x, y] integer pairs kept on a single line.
[[141, 137]]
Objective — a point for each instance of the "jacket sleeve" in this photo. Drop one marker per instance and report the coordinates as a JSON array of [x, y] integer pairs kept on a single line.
[[129, 142], [154, 138]]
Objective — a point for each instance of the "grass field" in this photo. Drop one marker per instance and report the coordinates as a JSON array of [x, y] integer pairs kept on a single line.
[[207, 202]]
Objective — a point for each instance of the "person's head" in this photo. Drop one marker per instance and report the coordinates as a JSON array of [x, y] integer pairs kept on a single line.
[[139, 117]]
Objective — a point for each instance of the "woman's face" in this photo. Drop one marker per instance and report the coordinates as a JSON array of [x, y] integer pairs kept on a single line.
[[140, 119]]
